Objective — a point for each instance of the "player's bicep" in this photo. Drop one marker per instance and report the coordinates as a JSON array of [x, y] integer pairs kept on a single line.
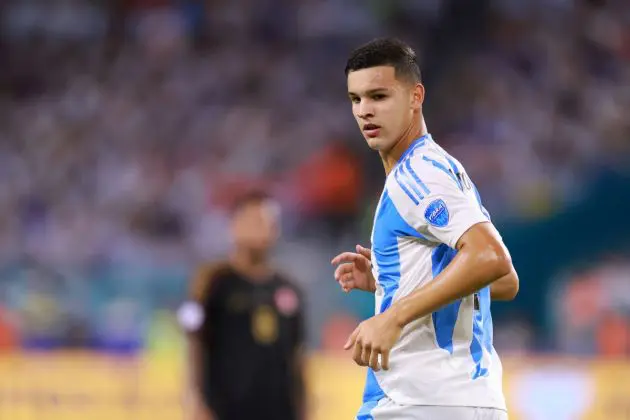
[[448, 209]]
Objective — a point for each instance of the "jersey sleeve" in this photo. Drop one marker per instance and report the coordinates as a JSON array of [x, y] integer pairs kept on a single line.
[[447, 204], [192, 315]]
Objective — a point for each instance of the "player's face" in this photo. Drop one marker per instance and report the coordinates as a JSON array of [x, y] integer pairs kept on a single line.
[[383, 106], [256, 226]]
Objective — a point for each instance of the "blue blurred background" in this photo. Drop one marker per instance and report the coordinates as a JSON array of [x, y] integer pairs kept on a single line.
[[128, 126]]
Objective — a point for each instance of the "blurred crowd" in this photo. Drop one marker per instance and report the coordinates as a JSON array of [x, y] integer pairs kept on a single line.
[[592, 309], [127, 127]]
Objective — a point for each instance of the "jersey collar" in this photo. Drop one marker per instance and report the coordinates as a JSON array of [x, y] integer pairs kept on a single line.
[[414, 145]]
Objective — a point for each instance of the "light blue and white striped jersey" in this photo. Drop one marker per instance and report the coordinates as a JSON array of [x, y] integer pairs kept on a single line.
[[446, 358]]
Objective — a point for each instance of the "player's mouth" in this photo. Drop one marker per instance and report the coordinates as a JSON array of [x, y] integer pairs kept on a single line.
[[371, 130]]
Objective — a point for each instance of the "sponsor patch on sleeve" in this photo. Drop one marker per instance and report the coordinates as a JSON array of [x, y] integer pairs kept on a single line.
[[437, 213]]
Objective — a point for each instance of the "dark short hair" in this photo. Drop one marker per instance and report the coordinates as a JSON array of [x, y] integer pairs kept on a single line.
[[254, 196], [386, 52]]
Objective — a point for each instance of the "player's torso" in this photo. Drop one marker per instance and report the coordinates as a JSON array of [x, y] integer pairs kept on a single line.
[[445, 358], [403, 257], [252, 338], [256, 316]]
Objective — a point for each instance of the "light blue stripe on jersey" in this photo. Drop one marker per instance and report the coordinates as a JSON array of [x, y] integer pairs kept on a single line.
[[372, 394], [403, 184], [482, 333], [445, 318], [413, 146], [485, 301], [456, 172], [388, 227], [482, 320], [365, 412], [483, 209], [403, 179], [373, 391], [443, 168], [416, 177], [412, 180]]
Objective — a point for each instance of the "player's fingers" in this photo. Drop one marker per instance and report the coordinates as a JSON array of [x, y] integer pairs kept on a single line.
[[345, 257], [341, 270], [365, 252], [347, 278], [365, 355], [374, 360], [385, 359], [352, 339], [357, 353]]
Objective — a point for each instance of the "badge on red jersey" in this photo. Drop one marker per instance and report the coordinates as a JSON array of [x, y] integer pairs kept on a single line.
[[287, 301]]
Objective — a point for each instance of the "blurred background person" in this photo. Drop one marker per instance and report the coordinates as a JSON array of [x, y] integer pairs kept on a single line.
[[245, 325], [127, 128]]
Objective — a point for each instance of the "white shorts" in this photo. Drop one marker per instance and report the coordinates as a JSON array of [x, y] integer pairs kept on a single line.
[[386, 409]]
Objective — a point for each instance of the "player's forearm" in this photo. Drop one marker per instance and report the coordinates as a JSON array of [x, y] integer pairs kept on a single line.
[[196, 403], [195, 363], [506, 288], [470, 271]]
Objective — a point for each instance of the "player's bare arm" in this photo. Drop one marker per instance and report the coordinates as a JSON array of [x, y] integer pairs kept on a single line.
[[481, 260], [196, 408], [506, 288], [192, 317]]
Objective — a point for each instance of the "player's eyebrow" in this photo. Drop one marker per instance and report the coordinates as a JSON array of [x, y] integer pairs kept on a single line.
[[370, 92]]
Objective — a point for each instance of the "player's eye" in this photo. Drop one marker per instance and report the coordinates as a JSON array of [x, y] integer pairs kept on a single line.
[[379, 96], [355, 100]]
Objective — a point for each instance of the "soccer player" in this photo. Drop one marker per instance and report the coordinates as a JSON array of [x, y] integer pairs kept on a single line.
[[435, 261], [245, 327]]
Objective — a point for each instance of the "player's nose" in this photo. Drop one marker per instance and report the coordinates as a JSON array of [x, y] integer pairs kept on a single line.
[[365, 110]]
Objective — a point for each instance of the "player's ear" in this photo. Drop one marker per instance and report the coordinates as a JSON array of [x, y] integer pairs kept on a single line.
[[417, 96]]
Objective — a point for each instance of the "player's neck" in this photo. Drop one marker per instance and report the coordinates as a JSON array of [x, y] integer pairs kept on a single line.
[[253, 265], [392, 156]]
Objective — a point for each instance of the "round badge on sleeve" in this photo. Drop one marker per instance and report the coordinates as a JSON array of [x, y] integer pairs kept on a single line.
[[437, 213], [190, 316], [286, 301]]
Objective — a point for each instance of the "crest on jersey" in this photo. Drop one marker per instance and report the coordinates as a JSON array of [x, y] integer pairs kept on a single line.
[[287, 301], [437, 213]]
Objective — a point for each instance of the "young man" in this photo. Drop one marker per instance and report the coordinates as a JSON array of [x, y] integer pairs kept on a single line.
[[245, 329], [435, 261]]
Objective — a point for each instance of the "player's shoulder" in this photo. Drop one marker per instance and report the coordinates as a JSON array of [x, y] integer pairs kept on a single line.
[[207, 277], [432, 159], [435, 166], [425, 172]]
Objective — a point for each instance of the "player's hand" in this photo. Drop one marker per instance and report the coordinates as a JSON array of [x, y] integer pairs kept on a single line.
[[373, 338], [354, 270]]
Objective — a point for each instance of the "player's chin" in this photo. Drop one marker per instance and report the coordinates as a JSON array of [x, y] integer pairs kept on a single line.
[[375, 143]]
